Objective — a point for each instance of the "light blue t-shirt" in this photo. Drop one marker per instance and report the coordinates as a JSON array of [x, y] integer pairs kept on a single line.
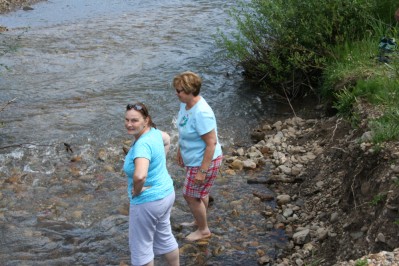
[[192, 124], [150, 146]]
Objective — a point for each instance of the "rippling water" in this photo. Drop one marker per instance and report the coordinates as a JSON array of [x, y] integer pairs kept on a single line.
[[68, 70]]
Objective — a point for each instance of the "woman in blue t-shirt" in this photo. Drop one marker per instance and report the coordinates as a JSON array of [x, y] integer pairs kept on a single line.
[[199, 150], [150, 189]]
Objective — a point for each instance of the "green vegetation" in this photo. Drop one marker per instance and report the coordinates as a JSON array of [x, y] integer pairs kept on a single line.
[[332, 49], [378, 198], [361, 262]]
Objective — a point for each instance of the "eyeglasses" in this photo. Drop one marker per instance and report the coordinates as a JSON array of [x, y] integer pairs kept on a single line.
[[178, 91], [136, 107]]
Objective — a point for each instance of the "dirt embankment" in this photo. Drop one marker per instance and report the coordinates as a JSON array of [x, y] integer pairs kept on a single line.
[[342, 191]]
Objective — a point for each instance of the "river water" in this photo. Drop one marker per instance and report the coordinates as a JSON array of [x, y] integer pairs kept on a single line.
[[68, 69]]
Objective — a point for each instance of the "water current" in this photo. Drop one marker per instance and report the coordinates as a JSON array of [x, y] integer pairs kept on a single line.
[[68, 69]]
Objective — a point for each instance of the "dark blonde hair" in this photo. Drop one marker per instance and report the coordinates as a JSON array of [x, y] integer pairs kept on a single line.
[[189, 82], [141, 108]]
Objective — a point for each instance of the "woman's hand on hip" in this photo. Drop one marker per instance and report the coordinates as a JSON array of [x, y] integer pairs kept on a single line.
[[199, 178], [143, 189]]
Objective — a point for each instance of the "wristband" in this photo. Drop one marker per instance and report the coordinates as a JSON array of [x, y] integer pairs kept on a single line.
[[203, 171]]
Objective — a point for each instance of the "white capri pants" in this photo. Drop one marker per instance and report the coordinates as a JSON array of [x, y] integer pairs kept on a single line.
[[150, 232]]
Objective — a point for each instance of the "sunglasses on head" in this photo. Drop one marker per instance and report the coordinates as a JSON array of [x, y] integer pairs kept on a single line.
[[136, 107]]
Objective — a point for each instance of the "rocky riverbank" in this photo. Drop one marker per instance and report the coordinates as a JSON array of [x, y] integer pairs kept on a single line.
[[12, 5], [337, 195]]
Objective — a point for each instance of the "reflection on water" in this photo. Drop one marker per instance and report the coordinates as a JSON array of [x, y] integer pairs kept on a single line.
[[71, 67]]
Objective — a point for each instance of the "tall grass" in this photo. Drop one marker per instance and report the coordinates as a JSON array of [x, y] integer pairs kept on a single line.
[[362, 73]]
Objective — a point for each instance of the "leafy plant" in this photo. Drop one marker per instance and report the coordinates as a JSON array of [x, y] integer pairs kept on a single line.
[[288, 43], [378, 198], [345, 102], [361, 262]]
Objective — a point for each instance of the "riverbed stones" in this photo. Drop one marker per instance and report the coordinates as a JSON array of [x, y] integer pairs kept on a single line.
[[287, 163], [249, 164], [283, 199]]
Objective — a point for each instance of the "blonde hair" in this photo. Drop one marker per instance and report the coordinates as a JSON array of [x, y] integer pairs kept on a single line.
[[189, 82]]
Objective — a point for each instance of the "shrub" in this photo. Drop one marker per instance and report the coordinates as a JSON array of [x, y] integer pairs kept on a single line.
[[288, 43]]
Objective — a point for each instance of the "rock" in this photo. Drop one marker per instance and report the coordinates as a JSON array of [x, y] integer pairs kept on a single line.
[[395, 169], [230, 172], [301, 237], [240, 152], [299, 262], [380, 238], [237, 165], [249, 164], [334, 217], [322, 233], [278, 125], [257, 135], [263, 196], [367, 136], [27, 8], [283, 199], [102, 155], [288, 212], [264, 260]]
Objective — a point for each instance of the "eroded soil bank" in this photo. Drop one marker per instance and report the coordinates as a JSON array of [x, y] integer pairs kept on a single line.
[[337, 194]]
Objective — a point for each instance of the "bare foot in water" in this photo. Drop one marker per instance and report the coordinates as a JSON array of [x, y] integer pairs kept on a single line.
[[188, 224], [197, 235]]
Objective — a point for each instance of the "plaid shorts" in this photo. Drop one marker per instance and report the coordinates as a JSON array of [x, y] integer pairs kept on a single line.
[[194, 190]]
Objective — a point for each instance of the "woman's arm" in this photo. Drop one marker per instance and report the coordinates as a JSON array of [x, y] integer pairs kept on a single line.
[[210, 141], [179, 159], [166, 141], [140, 175]]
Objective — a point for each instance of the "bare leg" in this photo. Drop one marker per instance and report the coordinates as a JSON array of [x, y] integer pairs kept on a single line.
[[188, 224], [198, 209], [205, 200], [173, 258]]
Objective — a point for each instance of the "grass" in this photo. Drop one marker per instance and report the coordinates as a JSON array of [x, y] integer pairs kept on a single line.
[[361, 76]]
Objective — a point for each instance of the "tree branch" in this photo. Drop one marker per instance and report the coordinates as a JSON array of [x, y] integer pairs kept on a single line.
[[8, 103]]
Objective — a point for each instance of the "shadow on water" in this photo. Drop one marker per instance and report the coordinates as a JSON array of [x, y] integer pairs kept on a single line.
[[72, 67]]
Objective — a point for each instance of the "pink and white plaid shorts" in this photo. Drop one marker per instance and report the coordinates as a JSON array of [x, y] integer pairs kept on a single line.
[[194, 190]]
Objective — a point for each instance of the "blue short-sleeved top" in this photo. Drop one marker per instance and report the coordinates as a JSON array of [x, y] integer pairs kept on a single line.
[[192, 124], [150, 146]]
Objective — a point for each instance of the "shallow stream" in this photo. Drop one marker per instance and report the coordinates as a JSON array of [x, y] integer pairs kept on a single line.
[[68, 69]]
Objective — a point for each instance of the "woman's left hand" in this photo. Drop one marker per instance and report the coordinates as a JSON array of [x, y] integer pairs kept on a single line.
[[199, 178], [143, 189]]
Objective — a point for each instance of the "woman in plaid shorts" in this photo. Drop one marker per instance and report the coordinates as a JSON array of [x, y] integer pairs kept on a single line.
[[199, 150]]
